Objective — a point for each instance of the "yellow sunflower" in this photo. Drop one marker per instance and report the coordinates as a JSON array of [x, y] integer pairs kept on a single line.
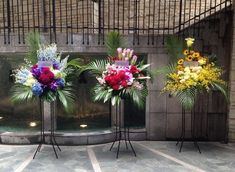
[[180, 68], [180, 61], [186, 52], [189, 58]]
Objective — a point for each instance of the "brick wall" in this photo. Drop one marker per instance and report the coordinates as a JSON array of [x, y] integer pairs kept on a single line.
[[78, 14]]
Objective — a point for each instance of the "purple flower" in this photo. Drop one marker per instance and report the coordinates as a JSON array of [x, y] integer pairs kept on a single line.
[[56, 66], [35, 71], [54, 86]]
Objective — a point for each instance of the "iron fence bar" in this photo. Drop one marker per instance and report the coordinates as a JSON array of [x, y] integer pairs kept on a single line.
[[49, 15], [164, 22], [149, 19], [109, 15], [103, 19], [138, 21], [184, 16], [199, 19], [18, 20], [66, 18], [99, 11], [123, 15], [71, 22], [8, 21], [129, 16], [114, 2], [174, 21], [83, 32], [88, 22], [60, 15], [154, 3], [118, 5], [27, 6], [195, 14], [38, 6], [4, 26], [180, 16], [22, 20], [33, 15], [144, 15], [159, 14], [169, 17], [13, 16]]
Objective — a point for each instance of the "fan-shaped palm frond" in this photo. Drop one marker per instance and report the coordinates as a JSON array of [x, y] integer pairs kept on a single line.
[[222, 88], [96, 67], [186, 97], [67, 97], [113, 41], [138, 96], [21, 93], [33, 43], [174, 47]]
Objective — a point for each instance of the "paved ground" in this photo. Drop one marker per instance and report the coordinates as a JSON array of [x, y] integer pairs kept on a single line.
[[151, 157]]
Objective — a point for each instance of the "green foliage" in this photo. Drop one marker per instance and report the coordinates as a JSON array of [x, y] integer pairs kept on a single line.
[[187, 97], [113, 41], [96, 67], [174, 47], [67, 97], [21, 93], [103, 94], [33, 43]]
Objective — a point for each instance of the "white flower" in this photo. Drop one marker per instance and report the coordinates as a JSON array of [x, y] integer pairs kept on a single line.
[[100, 80]]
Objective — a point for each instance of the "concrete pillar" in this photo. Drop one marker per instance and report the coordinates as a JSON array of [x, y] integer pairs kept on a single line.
[[231, 116], [47, 110]]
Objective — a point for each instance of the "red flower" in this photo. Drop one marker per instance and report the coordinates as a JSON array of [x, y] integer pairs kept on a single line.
[[46, 77], [35, 66], [134, 70], [124, 84], [115, 87]]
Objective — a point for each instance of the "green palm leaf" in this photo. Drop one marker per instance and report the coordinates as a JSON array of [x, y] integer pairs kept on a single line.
[[186, 97], [67, 97], [21, 93], [33, 43], [174, 47], [113, 41], [96, 67]]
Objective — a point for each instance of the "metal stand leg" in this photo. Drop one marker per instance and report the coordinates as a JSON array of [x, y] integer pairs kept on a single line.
[[182, 137], [125, 131], [52, 133]]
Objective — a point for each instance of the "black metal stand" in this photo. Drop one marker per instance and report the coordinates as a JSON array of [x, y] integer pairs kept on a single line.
[[52, 131], [181, 140], [119, 131]]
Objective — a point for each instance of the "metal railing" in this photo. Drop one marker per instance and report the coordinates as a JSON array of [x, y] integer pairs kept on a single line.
[[87, 17]]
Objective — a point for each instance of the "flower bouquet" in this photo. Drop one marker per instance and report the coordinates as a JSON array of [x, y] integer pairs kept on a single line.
[[121, 77], [190, 73], [47, 79]]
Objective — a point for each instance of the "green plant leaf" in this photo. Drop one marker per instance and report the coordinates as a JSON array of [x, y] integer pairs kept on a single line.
[[174, 47], [33, 43], [21, 93], [113, 40]]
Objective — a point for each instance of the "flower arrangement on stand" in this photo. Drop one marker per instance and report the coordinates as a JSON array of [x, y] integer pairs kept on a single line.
[[123, 77], [45, 79], [190, 73]]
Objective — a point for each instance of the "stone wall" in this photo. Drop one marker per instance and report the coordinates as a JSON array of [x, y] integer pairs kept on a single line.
[[231, 117]]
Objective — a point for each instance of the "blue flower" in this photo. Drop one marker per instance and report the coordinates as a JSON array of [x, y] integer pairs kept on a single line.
[[60, 82], [37, 89]]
